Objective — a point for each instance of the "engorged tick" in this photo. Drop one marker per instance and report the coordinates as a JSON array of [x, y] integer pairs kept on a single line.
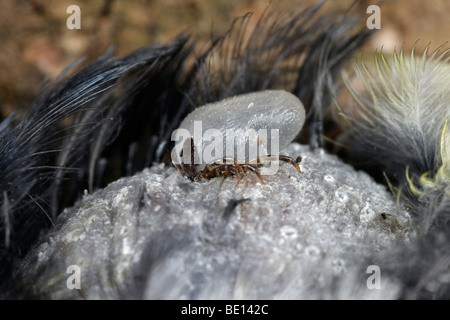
[[240, 131]]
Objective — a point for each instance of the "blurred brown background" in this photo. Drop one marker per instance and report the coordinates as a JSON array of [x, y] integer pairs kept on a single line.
[[35, 42]]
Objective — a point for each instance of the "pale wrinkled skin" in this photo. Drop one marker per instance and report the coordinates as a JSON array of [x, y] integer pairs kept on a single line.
[[158, 235]]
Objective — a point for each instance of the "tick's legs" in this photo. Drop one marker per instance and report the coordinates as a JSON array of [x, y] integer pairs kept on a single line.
[[190, 169], [226, 166], [254, 170], [291, 161], [220, 170], [225, 169], [282, 158], [226, 161]]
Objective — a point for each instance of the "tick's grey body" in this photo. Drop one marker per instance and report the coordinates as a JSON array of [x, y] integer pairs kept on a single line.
[[267, 110]]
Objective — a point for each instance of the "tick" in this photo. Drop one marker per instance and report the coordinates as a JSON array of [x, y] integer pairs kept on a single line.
[[237, 135]]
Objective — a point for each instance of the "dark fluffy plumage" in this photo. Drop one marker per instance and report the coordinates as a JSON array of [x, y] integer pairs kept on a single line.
[[57, 141]]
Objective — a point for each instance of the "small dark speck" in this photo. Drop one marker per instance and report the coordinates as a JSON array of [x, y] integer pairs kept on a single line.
[[233, 203], [385, 215]]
